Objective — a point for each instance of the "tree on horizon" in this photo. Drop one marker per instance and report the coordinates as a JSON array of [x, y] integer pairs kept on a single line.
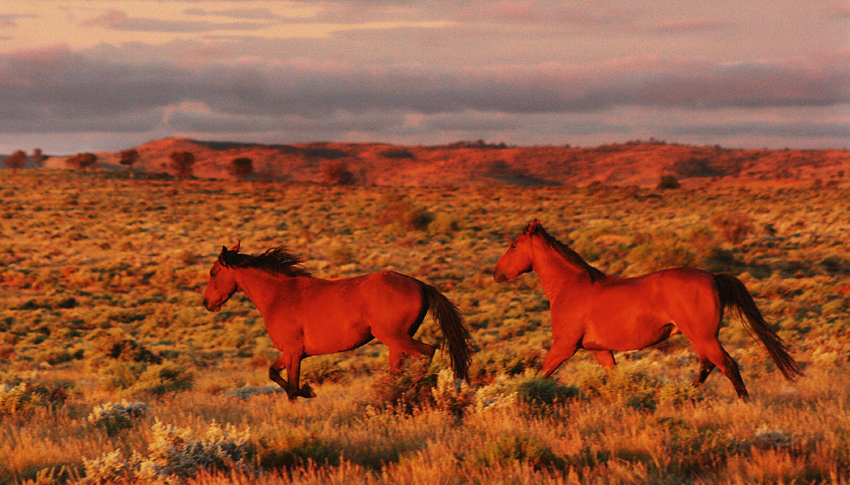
[[15, 161], [241, 167], [82, 161], [182, 163]]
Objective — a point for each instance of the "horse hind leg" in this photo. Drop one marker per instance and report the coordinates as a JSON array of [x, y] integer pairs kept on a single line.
[[409, 346], [705, 368], [718, 356]]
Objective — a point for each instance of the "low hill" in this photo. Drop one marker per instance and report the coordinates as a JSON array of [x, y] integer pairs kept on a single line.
[[632, 163]]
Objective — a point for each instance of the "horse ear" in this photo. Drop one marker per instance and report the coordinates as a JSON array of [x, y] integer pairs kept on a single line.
[[236, 248], [533, 226]]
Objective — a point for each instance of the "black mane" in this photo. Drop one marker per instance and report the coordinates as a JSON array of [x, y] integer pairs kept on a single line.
[[276, 260], [534, 228]]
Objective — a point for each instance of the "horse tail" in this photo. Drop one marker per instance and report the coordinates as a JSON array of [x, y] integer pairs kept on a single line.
[[733, 293], [454, 330]]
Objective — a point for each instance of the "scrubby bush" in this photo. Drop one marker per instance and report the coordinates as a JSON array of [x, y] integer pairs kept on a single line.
[[114, 417], [164, 378], [175, 455], [537, 391], [445, 223], [336, 172], [734, 226], [401, 211], [406, 390], [24, 397], [508, 449], [123, 348], [287, 451], [667, 182], [452, 395]]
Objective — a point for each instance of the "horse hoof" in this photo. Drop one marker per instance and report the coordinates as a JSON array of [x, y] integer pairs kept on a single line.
[[307, 392]]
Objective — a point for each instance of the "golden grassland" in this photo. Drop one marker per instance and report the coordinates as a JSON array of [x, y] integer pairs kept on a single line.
[[101, 277]]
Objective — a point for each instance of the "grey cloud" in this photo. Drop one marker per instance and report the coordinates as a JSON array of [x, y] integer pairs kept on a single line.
[[51, 85]]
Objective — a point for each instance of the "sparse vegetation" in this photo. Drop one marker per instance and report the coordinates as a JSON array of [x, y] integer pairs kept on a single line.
[[111, 370]]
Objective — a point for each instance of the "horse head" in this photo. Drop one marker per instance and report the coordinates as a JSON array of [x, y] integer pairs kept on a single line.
[[222, 282], [517, 259]]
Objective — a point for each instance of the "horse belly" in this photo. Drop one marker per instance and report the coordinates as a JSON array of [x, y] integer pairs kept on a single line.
[[638, 333], [322, 339]]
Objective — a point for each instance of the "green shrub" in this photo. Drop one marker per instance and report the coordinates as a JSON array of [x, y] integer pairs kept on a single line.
[[164, 378], [539, 391], [507, 449]]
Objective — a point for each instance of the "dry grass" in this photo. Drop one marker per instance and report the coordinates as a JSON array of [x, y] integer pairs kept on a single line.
[[100, 282]]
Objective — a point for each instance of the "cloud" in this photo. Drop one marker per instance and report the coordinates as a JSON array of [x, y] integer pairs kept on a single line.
[[259, 13], [689, 26], [57, 90], [118, 20], [11, 20]]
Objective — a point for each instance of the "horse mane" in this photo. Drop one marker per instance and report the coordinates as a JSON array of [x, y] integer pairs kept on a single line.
[[276, 260], [534, 228]]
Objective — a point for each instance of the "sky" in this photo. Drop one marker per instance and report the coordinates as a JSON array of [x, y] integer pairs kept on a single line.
[[101, 75]]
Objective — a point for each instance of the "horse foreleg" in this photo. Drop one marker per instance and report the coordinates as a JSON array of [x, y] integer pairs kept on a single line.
[[292, 363], [274, 373], [605, 358], [556, 355]]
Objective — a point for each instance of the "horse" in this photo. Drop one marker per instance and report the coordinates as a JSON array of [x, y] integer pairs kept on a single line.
[[602, 314], [306, 316]]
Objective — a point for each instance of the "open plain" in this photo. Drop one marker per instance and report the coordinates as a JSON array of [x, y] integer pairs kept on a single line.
[[111, 370]]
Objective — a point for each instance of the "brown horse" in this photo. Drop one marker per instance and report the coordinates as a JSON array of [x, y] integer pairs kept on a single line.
[[307, 316], [602, 313]]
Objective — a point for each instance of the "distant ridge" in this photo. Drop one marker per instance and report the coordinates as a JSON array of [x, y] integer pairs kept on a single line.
[[637, 163]]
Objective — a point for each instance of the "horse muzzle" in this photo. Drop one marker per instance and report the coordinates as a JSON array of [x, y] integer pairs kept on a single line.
[[211, 306], [499, 276]]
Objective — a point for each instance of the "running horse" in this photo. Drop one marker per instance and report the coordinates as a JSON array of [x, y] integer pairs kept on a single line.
[[602, 313], [307, 316]]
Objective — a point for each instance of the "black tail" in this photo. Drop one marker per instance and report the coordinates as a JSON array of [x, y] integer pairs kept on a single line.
[[733, 293], [455, 332]]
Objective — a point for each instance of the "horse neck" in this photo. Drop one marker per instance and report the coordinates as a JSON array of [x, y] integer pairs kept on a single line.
[[260, 286], [555, 271]]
